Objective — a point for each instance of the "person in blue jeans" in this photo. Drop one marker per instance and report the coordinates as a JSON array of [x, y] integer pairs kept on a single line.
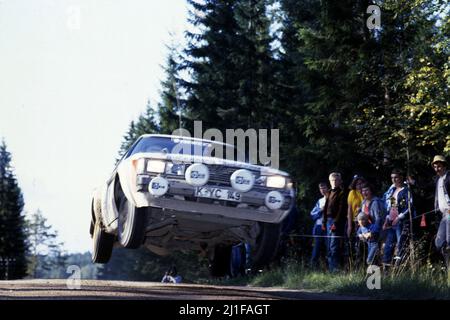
[[334, 217], [373, 208], [442, 207], [317, 232], [368, 234], [238, 259], [397, 202]]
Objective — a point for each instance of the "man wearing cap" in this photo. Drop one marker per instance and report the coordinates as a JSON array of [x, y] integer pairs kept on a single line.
[[442, 206]]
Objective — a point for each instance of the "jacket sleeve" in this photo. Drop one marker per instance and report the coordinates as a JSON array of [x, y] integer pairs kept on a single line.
[[407, 197], [325, 208], [343, 206], [316, 212], [447, 186], [377, 213]]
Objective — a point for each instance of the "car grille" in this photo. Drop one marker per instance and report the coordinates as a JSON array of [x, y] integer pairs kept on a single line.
[[218, 174], [221, 174]]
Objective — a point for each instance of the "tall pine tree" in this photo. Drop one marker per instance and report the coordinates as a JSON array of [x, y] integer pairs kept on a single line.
[[229, 61], [45, 253], [146, 124], [171, 104], [13, 245]]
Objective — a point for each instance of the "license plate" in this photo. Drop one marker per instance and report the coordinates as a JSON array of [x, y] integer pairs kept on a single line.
[[218, 194]]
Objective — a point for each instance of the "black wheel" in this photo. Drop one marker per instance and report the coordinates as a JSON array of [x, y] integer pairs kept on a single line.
[[131, 223], [220, 265], [103, 245], [267, 245]]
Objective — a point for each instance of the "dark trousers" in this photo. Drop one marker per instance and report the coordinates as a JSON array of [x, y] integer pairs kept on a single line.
[[318, 244], [334, 244]]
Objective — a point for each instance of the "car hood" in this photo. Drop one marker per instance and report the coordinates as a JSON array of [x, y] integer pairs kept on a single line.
[[208, 160]]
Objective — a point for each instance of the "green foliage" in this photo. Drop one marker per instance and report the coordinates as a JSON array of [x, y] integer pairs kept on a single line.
[[13, 244], [344, 97], [428, 88], [45, 254], [171, 104], [59, 269], [230, 64], [146, 124], [421, 285]]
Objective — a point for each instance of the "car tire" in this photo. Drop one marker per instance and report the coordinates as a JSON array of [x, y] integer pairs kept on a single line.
[[103, 245], [267, 245], [220, 265], [131, 223]]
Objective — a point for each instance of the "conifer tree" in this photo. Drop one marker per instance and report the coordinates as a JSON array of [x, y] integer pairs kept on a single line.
[[171, 106], [13, 245], [45, 251], [230, 61], [145, 124]]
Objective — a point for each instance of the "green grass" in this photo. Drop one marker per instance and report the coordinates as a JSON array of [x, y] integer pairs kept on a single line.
[[423, 284]]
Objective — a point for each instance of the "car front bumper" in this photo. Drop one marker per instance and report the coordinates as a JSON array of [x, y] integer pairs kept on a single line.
[[181, 198]]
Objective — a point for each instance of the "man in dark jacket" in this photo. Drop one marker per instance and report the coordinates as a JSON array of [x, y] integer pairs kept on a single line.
[[335, 214], [442, 206]]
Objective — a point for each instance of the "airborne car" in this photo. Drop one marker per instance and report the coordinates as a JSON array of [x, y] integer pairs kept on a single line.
[[171, 193]]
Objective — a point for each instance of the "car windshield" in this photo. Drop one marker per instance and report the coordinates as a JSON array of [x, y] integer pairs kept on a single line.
[[183, 146]]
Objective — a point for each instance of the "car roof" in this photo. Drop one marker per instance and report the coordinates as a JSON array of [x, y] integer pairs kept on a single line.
[[183, 138]]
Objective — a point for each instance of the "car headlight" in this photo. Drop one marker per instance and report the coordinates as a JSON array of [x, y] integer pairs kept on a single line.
[[177, 169], [276, 182], [157, 166]]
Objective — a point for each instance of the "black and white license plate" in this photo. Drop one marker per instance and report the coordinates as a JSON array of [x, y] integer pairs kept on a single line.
[[218, 194]]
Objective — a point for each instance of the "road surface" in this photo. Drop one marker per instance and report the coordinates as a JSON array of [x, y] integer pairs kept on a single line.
[[101, 289]]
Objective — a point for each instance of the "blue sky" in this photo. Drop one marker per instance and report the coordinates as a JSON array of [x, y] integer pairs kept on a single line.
[[73, 74]]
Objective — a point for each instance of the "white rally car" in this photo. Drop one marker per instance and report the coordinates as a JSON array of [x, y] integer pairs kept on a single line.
[[172, 193]]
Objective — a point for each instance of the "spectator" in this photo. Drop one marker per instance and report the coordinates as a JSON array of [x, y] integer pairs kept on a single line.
[[239, 259], [442, 206], [368, 234], [397, 202], [334, 217], [354, 201], [372, 207], [171, 276], [317, 232]]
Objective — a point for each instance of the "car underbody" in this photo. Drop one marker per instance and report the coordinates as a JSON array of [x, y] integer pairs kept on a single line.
[[169, 202]]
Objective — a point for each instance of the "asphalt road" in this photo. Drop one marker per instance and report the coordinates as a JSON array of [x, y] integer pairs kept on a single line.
[[96, 289]]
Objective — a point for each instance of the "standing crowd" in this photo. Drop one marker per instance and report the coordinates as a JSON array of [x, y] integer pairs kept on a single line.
[[358, 225]]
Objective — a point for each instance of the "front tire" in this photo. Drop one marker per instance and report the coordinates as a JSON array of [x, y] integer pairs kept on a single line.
[[267, 245], [103, 245], [131, 223]]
